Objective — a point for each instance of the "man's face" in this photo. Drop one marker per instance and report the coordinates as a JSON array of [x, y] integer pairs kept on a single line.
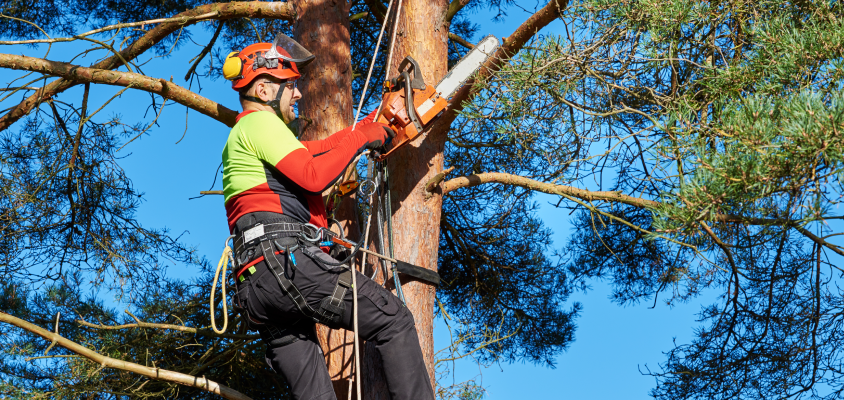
[[267, 90], [289, 97]]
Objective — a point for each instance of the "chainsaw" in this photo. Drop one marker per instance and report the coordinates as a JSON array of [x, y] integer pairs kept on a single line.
[[409, 105]]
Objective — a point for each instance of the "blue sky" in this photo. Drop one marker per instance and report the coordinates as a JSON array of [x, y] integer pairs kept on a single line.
[[612, 343]]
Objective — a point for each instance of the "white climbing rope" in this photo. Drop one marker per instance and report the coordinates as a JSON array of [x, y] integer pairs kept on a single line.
[[390, 53], [371, 199], [372, 63]]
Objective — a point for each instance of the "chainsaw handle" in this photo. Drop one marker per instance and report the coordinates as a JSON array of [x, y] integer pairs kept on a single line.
[[418, 82], [409, 106]]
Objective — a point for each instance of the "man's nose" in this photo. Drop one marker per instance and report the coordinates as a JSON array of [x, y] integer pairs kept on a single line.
[[297, 94]]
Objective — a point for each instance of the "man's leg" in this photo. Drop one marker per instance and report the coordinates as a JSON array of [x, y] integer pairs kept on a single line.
[[383, 320], [293, 350], [302, 364]]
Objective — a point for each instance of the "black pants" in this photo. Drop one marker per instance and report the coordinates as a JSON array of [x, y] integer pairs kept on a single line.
[[381, 319]]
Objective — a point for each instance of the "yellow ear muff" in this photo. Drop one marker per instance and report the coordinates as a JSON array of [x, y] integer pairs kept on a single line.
[[233, 67]]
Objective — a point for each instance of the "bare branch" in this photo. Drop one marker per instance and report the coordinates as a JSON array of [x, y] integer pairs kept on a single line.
[[359, 16], [104, 361], [56, 331], [181, 328], [183, 20], [160, 87], [819, 241], [435, 181], [516, 180], [205, 50], [459, 40], [254, 9]]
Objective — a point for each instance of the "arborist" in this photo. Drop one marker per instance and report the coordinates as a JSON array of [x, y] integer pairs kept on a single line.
[[273, 186]]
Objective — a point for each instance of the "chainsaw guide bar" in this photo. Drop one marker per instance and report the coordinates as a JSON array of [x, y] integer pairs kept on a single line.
[[467, 65]]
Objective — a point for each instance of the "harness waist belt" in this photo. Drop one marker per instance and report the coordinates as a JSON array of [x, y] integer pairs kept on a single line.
[[254, 235]]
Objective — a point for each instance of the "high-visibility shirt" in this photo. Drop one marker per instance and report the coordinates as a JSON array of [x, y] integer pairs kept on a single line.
[[265, 168]]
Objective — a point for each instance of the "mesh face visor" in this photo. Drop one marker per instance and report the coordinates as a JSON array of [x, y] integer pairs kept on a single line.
[[288, 49]]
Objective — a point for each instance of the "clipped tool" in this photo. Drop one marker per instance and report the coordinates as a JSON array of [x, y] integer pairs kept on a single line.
[[425, 275], [410, 105]]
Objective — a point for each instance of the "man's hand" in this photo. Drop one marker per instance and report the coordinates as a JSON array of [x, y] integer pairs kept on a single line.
[[377, 134]]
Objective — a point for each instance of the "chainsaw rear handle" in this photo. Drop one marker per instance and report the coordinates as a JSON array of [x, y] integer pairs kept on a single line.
[[408, 111], [418, 82], [408, 98]]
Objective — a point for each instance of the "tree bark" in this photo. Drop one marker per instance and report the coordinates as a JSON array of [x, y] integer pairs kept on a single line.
[[422, 34], [322, 27]]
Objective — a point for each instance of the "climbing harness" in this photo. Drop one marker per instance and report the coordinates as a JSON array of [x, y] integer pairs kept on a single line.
[[275, 244]]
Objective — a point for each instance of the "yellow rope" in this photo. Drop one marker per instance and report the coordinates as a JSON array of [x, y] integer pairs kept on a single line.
[[223, 264]]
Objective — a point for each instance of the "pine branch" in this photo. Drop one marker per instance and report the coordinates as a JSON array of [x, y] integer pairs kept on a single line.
[[161, 87], [253, 9], [512, 45], [105, 361], [459, 40]]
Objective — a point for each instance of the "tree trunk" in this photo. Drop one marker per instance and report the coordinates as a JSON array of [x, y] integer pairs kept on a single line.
[[422, 34], [322, 27]]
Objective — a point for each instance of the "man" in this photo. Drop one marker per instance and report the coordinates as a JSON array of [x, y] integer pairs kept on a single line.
[[273, 187]]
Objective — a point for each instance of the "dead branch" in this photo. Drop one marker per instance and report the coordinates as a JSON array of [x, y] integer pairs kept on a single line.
[[254, 9], [205, 51], [183, 20], [550, 188], [459, 40], [180, 328], [435, 181], [819, 240], [160, 87], [104, 361]]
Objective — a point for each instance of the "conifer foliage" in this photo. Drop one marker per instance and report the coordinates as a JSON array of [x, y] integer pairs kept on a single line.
[[697, 144]]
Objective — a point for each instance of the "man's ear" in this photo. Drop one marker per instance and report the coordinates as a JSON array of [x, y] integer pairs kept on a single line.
[[261, 91]]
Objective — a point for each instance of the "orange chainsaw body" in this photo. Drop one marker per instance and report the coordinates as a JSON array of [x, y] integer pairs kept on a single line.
[[426, 105]]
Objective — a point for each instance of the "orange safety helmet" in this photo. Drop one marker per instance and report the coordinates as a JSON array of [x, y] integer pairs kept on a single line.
[[278, 59]]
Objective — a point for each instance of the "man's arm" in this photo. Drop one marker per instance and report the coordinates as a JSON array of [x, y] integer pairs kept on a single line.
[[317, 147], [276, 145]]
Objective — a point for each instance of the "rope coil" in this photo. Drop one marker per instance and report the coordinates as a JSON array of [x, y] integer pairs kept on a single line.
[[225, 258]]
